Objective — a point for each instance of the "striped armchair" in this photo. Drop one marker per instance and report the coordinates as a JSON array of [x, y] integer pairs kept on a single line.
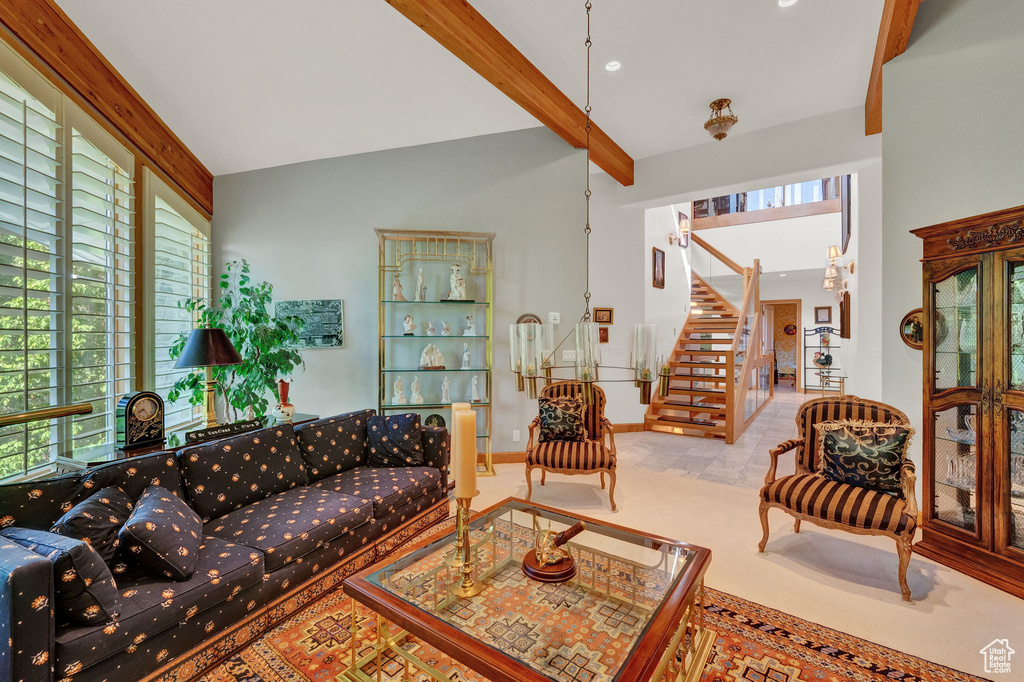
[[591, 456], [806, 495]]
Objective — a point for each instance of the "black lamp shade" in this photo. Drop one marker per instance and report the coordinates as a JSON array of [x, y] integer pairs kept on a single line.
[[208, 347]]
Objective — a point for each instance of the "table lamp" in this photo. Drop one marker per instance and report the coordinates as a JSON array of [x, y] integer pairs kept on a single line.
[[208, 347]]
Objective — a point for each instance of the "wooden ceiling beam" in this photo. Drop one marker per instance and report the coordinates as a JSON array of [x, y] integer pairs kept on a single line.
[[893, 35], [53, 39], [464, 32]]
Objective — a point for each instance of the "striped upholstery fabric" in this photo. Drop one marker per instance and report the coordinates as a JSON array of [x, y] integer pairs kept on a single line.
[[580, 456], [841, 503], [836, 408], [593, 414]]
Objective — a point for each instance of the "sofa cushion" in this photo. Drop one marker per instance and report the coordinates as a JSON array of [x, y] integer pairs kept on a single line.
[[330, 446], [842, 503], [163, 534], [865, 454], [588, 455], [287, 525], [134, 474], [85, 589], [561, 419], [96, 520], [394, 440], [228, 474], [387, 488], [153, 604]]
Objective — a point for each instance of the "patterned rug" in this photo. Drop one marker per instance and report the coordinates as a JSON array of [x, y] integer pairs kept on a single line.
[[754, 644]]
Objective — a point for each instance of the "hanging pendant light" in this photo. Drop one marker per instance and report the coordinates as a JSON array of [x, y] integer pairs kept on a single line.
[[720, 123]]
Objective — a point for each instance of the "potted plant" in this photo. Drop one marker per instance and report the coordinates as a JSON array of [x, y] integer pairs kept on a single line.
[[265, 342]]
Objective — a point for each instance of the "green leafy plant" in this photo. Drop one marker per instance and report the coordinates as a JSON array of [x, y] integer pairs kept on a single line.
[[265, 342]]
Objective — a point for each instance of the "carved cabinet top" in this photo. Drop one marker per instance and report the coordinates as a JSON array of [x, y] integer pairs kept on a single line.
[[986, 232]]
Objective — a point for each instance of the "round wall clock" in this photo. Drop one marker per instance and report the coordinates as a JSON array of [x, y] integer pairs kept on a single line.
[[140, 420]]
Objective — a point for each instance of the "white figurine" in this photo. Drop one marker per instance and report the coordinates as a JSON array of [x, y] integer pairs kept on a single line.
[[465, 356], [421, 287], [446, 387], [437, 357], [458, 284], [430, 328], [399, 396], [396, 290], [431, 357], [409, 325], [476, 392], [472, 326], [417, 398], [446, 329]]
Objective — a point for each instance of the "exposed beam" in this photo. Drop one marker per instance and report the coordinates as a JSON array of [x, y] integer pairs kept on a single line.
[[464, 32], [767, 214], [52, 38], [893, 35]]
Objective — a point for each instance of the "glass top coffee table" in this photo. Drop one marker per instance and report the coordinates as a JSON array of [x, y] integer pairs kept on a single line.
[[632, 612]]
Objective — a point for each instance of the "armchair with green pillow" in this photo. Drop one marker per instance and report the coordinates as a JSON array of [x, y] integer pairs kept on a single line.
[[569, 436], [853, 473]]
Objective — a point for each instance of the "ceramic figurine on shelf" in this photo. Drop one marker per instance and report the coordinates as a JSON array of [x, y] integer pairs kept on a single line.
[[398, 398], [465, 356], [431, 358], [458, 284], [409, 325], [472, 326], [396, 290], [417, 398], [284, 410], [446, 388], [421, 287], [430, 328], [446, 329], [476, 388]]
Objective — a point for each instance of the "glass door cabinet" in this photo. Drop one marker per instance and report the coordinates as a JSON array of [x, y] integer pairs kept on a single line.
[[973, 430]]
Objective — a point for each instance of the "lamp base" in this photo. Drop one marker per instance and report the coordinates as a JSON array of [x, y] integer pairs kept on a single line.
[[465, 591]]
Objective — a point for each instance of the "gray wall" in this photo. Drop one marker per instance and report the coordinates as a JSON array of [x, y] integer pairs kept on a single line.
[[953, 115], [308, 230]]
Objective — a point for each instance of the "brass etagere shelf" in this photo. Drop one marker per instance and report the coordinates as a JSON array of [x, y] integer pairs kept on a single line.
[[405, 253]]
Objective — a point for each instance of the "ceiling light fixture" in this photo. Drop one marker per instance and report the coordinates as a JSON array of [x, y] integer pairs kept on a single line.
[[612, 66], [782, 274], [787, 3], [719, 125]]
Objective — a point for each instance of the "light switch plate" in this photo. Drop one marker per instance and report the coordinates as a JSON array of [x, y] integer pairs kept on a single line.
[[568, 356], [515, 435], [554, 318]]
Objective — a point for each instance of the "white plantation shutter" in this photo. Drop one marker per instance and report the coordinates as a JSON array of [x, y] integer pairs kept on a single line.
[[181, 269], [31, 269]]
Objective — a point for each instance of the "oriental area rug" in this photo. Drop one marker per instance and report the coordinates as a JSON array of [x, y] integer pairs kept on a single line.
[[754, 644]]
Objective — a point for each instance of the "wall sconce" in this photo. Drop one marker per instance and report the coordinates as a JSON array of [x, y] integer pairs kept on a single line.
[[829, 284], [833, 271]]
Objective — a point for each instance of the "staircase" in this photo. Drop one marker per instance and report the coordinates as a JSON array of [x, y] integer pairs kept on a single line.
[[697, 401]]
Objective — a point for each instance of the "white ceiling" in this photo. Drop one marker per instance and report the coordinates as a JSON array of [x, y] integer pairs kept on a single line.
[[250, 84]]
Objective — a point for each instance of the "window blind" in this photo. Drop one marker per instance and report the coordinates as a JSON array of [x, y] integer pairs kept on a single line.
[[181, 269]]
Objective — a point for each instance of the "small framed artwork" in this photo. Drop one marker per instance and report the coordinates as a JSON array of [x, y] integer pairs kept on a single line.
[[823, 315], [912, 329], [684, 230], [844, 316], [602, 334], [658, 269], [604, 315]]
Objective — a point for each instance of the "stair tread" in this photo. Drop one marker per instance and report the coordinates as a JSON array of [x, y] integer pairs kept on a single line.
[[683, 420]]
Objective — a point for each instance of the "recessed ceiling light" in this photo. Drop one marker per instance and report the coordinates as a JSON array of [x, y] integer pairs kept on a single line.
[[615, 66], [787, 3], [783, 274]]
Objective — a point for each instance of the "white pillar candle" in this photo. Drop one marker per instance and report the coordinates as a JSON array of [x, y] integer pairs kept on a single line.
[[451, 432], [465, 453]]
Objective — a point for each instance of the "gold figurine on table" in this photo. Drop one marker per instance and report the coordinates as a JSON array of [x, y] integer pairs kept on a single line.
[[549, 562]]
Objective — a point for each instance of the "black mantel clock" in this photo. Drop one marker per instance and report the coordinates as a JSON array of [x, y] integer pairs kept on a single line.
[[140, 420]]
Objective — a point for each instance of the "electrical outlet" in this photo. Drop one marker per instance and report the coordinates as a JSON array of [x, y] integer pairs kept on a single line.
[[568, 356], [515, 435], [554, 318]]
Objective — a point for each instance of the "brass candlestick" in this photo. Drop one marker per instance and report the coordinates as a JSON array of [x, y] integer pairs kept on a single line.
[[454, 560], [466, 586]]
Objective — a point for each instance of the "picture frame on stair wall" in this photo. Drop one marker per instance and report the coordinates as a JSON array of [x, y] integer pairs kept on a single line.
[[658, 268], [603, 315]]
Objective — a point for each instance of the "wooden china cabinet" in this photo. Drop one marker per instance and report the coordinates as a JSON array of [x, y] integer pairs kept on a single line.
[[973, 435]]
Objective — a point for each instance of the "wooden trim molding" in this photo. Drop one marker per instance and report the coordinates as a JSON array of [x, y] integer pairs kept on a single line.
[[768, 214], [464, 32], [53, 38], [893, 35]]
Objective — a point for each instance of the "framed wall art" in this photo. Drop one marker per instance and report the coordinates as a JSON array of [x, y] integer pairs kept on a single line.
[[602, 334], [604, 315], [912, 329], [658, 268], [823, 314], [323, 321], [684, 230]]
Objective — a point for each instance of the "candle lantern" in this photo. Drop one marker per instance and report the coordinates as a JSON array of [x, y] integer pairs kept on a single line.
[[532, 342], [588, 358], [663, 376], [645, 360], [515, 356]]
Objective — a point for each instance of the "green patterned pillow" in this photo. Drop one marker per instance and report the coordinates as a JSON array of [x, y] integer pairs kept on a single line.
[[863, 454], [561, 419]]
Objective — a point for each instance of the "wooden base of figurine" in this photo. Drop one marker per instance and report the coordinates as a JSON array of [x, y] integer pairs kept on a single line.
[[555, 573], [424, 367]]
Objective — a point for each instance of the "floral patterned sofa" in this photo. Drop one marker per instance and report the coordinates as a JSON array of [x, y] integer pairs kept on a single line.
[[287, 513]]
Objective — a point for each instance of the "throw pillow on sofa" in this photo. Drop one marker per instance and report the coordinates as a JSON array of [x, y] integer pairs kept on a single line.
[[863, 454], [333, 445], [163, 534], [85, 589], [561, 419], [395, 440], [96, 520]]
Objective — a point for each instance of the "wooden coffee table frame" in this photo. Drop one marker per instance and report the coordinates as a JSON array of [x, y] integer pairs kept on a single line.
[[654, 658]]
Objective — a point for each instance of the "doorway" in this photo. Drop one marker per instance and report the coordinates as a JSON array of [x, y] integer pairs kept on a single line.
[[783, 338]]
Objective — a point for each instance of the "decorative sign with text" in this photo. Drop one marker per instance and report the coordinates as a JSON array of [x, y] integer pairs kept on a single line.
[[323, 321]]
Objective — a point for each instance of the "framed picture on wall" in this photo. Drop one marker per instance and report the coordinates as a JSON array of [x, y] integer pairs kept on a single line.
[[844, 203], [684, 230], [844, 316], [602, 334], [823, 314], [658, 269], [604, 315]]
